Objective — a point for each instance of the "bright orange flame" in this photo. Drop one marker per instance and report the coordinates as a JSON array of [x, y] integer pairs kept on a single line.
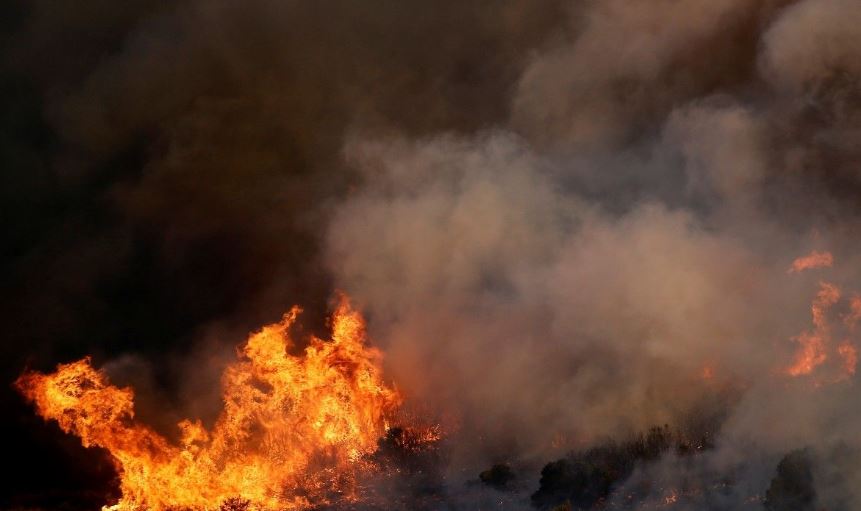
[[811, 261], [812, 351], [811, 354], [293, 428]]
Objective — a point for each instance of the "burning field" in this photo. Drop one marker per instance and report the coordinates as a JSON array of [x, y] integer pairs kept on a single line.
[[541, 255]]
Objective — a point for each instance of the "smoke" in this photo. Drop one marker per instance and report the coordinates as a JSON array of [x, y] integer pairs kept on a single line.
[[557, 215], [169, 171], [499, 293], [573, 270], [624, 65]]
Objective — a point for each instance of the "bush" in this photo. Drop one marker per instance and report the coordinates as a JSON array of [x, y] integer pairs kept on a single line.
[[499, 476], [792, 487], [583, 479]]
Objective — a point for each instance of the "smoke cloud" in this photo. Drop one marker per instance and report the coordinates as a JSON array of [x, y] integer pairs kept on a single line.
[[573, 270], [566, 221]]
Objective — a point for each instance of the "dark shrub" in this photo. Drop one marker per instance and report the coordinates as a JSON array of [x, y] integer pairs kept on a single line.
[[583, 479], [499, 476], [792, 487]]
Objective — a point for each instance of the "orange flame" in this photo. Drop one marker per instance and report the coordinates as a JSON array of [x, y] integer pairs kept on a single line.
[[671, 498], [812, 352], [812, 261], [810, 355], [815, 345], [851, 319], [293, 428], [849, 355]]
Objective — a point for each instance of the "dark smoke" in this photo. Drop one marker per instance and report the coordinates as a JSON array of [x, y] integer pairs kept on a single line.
[[554, 213]]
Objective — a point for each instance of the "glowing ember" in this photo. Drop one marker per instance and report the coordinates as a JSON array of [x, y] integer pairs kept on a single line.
[[851, 319], [812, 261], [810, 355], [293, 430], [672, 498]]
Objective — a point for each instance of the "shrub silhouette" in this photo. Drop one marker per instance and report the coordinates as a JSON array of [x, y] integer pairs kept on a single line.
[[499, 476], [583, 479], [792, 487]]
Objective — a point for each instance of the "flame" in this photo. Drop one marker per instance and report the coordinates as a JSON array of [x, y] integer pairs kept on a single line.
[[812, 352], [812, 261], [816, 344], [292, 431], [813, 344], [810, 355], [671, 498], [854, 315], [849, 355]]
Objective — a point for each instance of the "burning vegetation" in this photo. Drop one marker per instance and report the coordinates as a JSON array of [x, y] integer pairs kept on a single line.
[[609, 246], [318, 427], [294, 432], [833, 335]]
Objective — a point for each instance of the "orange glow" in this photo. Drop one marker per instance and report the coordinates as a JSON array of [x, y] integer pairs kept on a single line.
[[818, 344], [810, 355], [849, 357], [672, 498], [813, 345], [851, 319], [293, 431], [812, 261]]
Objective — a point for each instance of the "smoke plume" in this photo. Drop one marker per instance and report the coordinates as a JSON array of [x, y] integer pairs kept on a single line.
[[566, 221]]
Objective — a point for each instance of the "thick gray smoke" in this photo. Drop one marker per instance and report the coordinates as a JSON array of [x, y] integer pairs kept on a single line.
[[565, 220], [573, 271]]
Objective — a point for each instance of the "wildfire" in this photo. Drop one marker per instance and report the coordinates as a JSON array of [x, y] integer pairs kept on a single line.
[[816, 344], [293, 431], [849, 355], [811, 261], [671, 498], [813, 344], [854, 315]]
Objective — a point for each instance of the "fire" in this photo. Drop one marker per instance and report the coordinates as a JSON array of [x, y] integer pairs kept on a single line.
[[813, 344], [854, 315], [812, 261], [671, 498], [811, 354], [849, 355], [293, 431]]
